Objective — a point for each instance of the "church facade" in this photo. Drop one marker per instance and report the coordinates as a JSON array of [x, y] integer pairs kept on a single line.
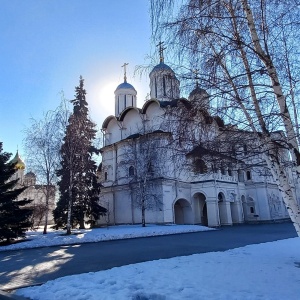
[[145, 175]]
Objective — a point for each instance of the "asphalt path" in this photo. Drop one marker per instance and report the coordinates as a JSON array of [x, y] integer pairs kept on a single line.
[[21, 268]]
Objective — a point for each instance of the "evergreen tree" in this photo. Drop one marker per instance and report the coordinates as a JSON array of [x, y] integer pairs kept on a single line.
[[14, 218], [78, 185]]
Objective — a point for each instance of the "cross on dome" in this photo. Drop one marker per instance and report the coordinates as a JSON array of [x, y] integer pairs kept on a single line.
[[196, 72], [125, 75], [161, 51]]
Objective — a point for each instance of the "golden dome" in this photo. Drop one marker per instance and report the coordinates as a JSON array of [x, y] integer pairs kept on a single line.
[[19, 164]]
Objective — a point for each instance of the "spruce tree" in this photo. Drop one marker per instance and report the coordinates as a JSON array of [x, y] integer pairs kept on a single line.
[[78, 185], [14, 217]]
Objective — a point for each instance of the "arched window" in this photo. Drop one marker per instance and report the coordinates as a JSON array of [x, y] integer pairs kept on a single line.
[[223, 171], [164, 85], [248, 175], [199, 166], [131, 171], [220, 197], [241, 176], [150, 169], [229, 172], [251, 206], [233, 150], [245, 150], [105, 176]]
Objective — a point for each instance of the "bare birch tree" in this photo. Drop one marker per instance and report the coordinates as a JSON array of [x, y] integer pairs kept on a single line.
[[42, 146], [237, 45]]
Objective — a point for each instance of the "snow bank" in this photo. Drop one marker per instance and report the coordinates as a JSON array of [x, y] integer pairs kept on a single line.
[[56, 238], [264, 271]]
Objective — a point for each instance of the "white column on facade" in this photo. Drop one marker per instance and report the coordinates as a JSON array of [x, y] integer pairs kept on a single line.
[[212, 212], [132, 206], [228, 211], [236, 211], [240, 210], [114, 207], [225, 213], [239, 201], [115, 164]]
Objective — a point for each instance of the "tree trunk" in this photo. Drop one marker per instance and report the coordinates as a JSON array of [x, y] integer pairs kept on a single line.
[[70, 203], [143, 202], [276, 168], [143, 209], [143, 216], [47, 209], [81, 223], [285, 189], [272, 72], [281, 179]]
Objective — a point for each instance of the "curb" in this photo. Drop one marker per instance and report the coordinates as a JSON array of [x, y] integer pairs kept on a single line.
[[8, 296]]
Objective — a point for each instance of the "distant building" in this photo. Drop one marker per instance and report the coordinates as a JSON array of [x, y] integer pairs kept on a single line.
[[34, 191]]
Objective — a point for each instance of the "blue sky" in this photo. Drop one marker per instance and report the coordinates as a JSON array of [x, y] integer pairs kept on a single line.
[[45, 45]]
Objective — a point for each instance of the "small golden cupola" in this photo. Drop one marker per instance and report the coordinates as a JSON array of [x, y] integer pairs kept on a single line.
[[19, 164]]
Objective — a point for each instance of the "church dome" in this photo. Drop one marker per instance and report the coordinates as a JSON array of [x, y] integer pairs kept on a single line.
[[125, 96], [29, 179], [164, 85], [161, 67], [30, 175], [125, 85], [197, 92], [201, 96], [18, 162]]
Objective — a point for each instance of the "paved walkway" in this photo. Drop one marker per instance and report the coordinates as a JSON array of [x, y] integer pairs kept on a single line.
[[21, 268]]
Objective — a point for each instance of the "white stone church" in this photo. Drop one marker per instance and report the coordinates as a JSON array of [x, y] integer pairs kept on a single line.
[[140, 167]]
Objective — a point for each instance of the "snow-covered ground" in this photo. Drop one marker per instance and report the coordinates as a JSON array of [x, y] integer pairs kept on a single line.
[[55, 238], [264, 271]]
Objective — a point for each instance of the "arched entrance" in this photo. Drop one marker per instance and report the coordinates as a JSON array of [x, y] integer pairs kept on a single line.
[[244, 206], [183, 212], [223, 213], [200, 209], [234, 208]]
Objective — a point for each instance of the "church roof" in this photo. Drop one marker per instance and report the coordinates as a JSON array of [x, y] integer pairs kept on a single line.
[[30, 174], [107, 120], [137, 135], [126, 110], [174, 103], [161, 67], [18, 162], [197, 90], [125, 85]]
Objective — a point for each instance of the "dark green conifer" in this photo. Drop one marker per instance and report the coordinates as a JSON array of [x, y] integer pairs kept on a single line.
[[79, 193], [14, 217]]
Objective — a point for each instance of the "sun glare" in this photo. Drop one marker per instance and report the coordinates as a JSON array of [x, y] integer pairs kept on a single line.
[[106, 97], [103, 100]]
